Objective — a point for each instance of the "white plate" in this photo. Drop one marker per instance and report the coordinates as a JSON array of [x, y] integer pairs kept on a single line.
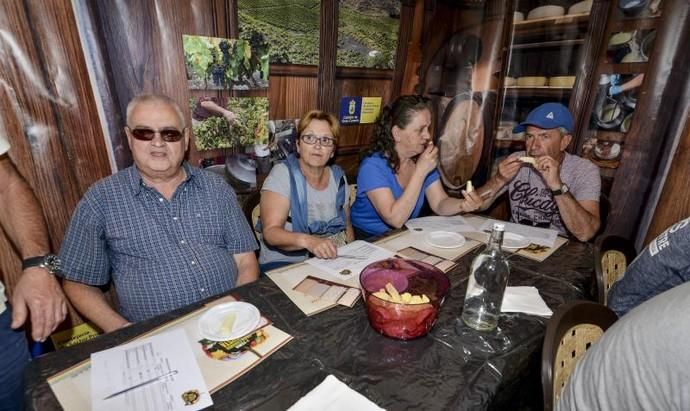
[[445, 239], [247, 318], [514, 241]]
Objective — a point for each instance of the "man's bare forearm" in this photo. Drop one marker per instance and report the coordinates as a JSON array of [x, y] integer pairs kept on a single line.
[[91, 303], [490, 191], [20, 213], [580, 222]]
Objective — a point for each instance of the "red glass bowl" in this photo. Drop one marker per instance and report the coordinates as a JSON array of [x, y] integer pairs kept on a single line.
[[397, 320]]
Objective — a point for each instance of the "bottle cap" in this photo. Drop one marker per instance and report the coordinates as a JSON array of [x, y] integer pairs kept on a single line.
[[499, 227]]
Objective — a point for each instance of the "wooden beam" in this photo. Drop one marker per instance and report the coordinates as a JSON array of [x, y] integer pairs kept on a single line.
[[327, 95]]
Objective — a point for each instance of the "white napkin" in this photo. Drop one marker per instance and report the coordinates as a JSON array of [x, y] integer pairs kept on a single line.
[[333, 395], [524, 300]]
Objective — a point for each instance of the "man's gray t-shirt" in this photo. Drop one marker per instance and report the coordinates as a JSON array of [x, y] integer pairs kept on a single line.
[[531, 201], [641, 363], [321, 208], [664, 264]]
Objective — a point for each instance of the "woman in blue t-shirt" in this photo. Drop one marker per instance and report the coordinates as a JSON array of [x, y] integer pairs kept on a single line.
[[399, 170]]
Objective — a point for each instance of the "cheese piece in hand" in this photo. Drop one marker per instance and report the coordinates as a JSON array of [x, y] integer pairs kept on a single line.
[[469, 188], [529, 160]]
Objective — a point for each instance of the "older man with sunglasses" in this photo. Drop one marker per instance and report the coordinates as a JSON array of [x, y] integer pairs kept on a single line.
[[167, 234]]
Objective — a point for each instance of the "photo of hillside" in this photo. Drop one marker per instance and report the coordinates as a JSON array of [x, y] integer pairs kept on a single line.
[[367, 30], [291, 27], [368, 33]]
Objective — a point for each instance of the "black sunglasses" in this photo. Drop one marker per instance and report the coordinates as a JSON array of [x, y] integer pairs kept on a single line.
[[169, 135]]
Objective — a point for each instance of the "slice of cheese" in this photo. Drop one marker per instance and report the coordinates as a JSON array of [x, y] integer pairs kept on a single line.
[[529, 160], [228, 323], [395, 296], [469, 187]]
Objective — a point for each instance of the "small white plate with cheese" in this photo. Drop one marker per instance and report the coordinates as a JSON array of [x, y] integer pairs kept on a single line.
[[229, 321]]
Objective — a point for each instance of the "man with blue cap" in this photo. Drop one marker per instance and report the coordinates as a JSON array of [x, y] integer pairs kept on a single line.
[[548, 187]]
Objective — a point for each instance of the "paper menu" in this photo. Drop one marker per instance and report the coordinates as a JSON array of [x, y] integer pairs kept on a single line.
[[158, 372], [455, 224], [536, 235], [360, 254]]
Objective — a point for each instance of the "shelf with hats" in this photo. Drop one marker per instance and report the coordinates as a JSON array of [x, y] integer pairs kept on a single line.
[[556, 27], [546, 48], [609, 112]]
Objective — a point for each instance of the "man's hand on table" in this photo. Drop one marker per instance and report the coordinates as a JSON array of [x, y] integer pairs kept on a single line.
[[38, 293]]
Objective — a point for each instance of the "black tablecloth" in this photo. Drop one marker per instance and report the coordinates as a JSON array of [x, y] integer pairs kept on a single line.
[[454, 367]]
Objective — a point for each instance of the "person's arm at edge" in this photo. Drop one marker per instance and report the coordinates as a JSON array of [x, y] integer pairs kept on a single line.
[[38, 292], [507, 170], [92, 304], [442, 204], [247, 268]]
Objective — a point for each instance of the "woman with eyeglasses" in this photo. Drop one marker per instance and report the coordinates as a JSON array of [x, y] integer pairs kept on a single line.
[[398, 172], [304, 201]]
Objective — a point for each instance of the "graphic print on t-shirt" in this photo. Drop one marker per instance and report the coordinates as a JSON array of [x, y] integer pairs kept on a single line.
[[532, 203]]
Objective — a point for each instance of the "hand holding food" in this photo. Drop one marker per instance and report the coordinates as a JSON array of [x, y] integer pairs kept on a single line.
[[473, 201], [391, 294], [508, 168], [428, 159], [529, 160], [550, 169]]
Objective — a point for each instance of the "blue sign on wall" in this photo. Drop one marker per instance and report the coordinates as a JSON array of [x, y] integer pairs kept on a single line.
[[350, 110]]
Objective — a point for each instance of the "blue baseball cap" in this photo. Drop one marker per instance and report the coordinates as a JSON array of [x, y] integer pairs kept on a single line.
[[548, 116]]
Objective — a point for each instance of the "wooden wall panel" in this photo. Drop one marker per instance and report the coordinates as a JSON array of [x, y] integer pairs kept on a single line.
[[47, 111], [290, 96], [674, 203]]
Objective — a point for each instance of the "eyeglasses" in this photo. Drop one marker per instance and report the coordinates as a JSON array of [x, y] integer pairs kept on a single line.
[[325, 141], [169, 135]]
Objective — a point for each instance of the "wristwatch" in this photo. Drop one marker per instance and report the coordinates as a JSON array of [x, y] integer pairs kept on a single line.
[[564, 189], [49, 261]]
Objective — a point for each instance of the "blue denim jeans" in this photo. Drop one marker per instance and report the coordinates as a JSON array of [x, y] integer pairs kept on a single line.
[[14, 356]]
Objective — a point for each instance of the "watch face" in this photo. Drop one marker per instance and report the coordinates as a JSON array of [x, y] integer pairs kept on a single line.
[[52, 263]]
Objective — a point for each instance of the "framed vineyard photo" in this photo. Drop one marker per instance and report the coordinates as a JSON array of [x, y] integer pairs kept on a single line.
[[291, 27], [368, 33], [214, 63], [229, 123]]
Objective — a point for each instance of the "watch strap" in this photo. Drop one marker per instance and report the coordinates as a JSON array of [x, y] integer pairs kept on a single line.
[[560, 191], [49, 261]]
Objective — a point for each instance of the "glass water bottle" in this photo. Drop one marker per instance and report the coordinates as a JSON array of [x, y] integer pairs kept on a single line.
[[487, 283]]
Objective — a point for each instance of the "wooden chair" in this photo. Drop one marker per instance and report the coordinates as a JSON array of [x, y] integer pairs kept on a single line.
[[612, 254], [353, 193], [570, 333], [250, 208]]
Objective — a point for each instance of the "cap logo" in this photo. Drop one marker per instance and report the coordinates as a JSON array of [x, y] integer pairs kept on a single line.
[[550, 115]]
